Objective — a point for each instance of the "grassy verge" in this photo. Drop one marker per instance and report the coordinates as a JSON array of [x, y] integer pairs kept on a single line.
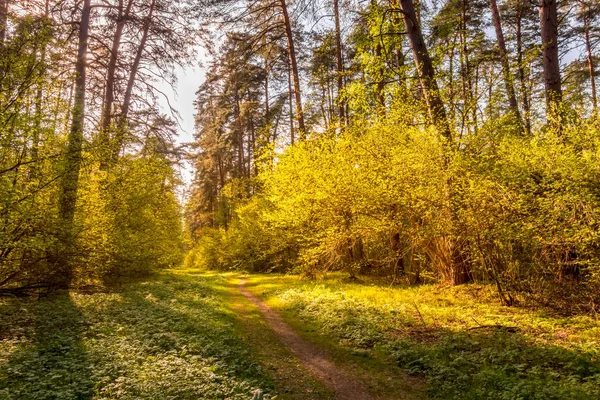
[[173, 337], [460, 339]]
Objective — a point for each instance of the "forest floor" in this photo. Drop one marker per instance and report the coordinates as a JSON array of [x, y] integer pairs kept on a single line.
[[187, 334]]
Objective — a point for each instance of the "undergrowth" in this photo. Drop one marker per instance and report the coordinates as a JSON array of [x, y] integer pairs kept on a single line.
[[170, 338], [466, 345]]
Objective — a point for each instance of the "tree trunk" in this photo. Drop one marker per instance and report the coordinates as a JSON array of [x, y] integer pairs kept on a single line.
[[239, 135], [38, 102], [508, 80], [294, 65], [72, 163], [424, 66], [3, 19], [122, 125], [290, 102], [267, 111], [590, 60], [552, 79], [524, 91], [109, 96], [339, 61]]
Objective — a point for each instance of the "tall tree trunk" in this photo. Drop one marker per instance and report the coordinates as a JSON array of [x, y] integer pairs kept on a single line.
[[72, 163], [590, 60], [399, 51], [290, 102], [267, 111], [3, 19], [294, 64], [109, 96], [469, 96], [339, 61], [239, 135], [38, 100], [524, 91], [508, 80], [424, 66], [552, 79], [122, 125]]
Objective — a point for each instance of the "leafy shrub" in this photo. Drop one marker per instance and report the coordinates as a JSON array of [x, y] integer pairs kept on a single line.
[[395, 199]]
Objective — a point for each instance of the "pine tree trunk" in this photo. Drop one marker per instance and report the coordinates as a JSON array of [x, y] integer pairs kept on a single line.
[[524, 91], [290, 102], [552, 79], [122, 125], [590, 60], [3, 19], [109, 96], [339, 61], [508, 80], [294, 65], [72, 163], [424, 66]]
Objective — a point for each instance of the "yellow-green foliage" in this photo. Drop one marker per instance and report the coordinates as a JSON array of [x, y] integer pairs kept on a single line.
[[521, 211], [130, 219]]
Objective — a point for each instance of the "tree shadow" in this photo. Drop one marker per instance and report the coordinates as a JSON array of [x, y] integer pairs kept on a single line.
[[47, 358], [496, 362]]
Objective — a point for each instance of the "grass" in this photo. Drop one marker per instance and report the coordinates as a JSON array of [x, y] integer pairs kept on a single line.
[[168, 338], [459, 339], [187, 334]]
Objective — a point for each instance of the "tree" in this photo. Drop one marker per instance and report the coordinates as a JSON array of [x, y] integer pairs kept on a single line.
[[508, 79], [339, 60], [123, 15], [73, 157], [550, 59], [424, 66], [294, 69]]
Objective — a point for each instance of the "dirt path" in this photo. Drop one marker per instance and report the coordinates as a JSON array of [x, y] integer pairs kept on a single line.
[[345, 386]]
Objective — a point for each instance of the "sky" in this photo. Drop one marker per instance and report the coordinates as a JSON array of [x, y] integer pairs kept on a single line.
[[181, 98]]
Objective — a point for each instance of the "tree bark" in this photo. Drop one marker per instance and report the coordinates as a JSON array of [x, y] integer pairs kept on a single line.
[[294, 65], [552, 79], [3, 19], [590, 60], [339, 61], [38, 101], [72, 163], [524, 91], [122, 125], [109, 96], [290, 102], [508, 80], [424, 66]]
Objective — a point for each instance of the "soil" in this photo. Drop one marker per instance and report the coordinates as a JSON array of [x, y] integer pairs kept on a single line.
[[345, 385]]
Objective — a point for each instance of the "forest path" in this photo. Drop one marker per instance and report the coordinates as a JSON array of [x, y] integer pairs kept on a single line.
[[345, 385]]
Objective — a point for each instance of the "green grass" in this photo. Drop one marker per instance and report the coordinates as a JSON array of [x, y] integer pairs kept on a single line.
[[454, 337], [191, 335], [168, 338]]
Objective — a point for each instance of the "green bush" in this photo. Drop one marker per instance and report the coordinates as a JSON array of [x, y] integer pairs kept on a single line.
[[392, 198]]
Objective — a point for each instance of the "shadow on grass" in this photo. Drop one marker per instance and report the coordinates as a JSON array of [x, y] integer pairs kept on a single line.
[[176, 341], [166, 338], [47, 358], [496, 364]]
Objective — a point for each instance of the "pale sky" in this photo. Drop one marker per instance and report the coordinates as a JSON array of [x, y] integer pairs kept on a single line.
[[182, 99]]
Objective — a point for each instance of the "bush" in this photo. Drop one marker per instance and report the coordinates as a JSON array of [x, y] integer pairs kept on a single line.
[[395, 199]]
